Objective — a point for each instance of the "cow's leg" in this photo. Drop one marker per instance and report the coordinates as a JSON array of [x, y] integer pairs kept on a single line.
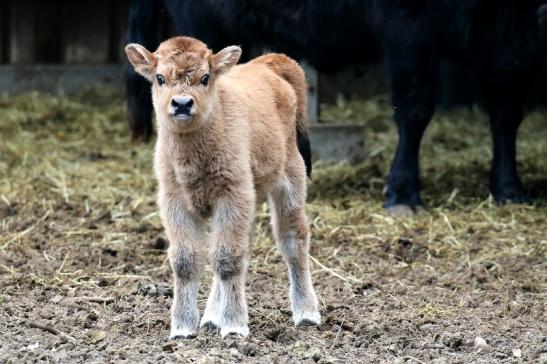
[[413, 93], [290, 227], [506, 114], [139, 105], [226, 309], [142, 29], [186, 238]]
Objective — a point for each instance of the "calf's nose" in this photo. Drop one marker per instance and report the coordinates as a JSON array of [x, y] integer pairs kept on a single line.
[[182, 101]]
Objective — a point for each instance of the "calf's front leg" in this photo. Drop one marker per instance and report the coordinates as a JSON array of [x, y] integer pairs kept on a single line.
[[185, 234], [226, 310]]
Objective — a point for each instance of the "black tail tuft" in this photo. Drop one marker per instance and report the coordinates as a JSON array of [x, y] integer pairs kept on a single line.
[[304, 147]]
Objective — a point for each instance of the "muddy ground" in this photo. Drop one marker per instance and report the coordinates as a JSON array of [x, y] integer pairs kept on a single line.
[[84, 276]]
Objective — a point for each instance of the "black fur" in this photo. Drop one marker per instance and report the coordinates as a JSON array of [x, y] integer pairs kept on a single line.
[[307, 29], [496, 44], [501, 44], [143, 29]]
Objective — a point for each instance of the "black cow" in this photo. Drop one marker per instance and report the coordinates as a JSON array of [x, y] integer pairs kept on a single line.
[[499, 41], [309, 30]]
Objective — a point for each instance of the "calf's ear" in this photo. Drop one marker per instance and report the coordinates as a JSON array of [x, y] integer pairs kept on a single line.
[[142, 60], [227, 58]]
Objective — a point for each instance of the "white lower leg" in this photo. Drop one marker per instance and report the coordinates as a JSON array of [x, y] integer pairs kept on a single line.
[[291, 231], [226, 310], [303, 299], [185, 233], [184, 310], [212, 314], [227, 307], [233, 306]]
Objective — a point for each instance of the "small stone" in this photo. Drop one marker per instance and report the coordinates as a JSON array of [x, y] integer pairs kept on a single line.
[[215, 352], [56, 299], [429, 328], [313, 353], [452, 340], [36, 345], [101, 347], [66, 346], [96, 336], [235, 353], [272, 334], [159, 244], [480, 344], [517, 353], [154, 289], [250, 349], [103, 282], [169, 347]]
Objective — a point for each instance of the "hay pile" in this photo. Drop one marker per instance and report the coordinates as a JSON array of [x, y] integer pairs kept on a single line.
[[78, 216], [74, 152]]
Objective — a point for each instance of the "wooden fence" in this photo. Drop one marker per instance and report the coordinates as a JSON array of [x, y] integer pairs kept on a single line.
[[62, 46], [62, 31]]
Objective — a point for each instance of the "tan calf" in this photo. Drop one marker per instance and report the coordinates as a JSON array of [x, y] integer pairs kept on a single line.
[[227, 139]]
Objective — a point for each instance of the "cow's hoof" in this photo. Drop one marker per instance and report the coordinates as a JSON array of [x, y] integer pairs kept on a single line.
[[402, 204], [512, 197]]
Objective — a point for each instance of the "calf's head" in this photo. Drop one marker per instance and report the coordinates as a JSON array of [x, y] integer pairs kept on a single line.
[[182, 72]]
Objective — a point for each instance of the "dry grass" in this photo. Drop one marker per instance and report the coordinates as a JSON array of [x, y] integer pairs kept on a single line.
[[78, 219]]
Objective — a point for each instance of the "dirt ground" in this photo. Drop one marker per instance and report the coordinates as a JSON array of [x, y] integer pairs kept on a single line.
[[84, 276]]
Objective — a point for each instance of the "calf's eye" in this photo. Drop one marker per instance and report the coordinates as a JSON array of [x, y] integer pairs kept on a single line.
[[160, 79], [205, 80]]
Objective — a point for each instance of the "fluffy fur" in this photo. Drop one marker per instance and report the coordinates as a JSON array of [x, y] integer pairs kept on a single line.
[[236, 146]]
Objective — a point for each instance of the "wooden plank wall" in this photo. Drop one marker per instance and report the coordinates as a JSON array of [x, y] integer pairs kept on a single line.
[[3, 32], [67, 32]]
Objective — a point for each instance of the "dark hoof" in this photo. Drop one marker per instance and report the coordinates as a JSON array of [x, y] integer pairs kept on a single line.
[[402, 204], [306, 322], [209, 326], [183, 336], [512, 197]]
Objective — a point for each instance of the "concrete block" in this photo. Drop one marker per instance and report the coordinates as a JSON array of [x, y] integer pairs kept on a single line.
[[57, 78], [333, 142]]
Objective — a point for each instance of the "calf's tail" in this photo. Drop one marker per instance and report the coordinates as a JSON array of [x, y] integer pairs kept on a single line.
[[288, 69]]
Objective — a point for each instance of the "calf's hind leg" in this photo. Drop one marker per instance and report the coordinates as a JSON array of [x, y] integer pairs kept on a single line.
[[291, 231]]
